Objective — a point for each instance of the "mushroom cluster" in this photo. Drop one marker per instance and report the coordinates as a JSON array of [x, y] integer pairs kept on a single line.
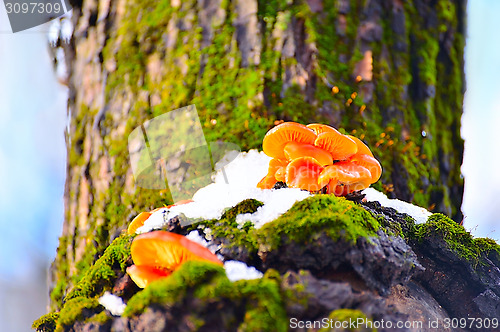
[[317, 158], [157, 254]]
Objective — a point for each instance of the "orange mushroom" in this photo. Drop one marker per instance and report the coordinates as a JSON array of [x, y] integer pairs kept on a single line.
[[280, 174], [369, 163], [319, 128], [320, 153], [276, 138], [144, 275], [303, 173], [344, 177], [295, 150], [275, 166], [138, 222], [159, 253], [340, 146], [362, 148]]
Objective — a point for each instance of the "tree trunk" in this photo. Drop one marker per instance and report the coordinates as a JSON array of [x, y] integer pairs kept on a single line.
[[390, 72]]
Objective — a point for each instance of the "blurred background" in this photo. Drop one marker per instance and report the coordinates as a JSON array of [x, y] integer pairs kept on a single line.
[[33, 155]]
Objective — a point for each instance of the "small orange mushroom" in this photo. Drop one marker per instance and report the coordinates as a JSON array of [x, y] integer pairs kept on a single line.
[[276, 138], [157, 254], [303, 173], [276, 167], [344, 177], [340, 146], [138, 222]]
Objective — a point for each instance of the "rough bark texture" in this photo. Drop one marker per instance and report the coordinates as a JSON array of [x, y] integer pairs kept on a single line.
[[325, 258], [398, 66]]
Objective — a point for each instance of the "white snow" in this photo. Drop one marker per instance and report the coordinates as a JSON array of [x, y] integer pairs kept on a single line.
[[418, 213], [236, 270], [276, 202], [54, 31], [243, 174], [66, 29], [112, 303], [156, 220], [195, 237]]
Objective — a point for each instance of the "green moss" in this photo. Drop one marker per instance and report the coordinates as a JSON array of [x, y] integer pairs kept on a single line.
[[101, 318], [77, 309], [57, 293], [458, 239], [228, 228], [338, 316], [96, 279], [260, 299], [264, 305], [246, 206], [168, 291], [102, 274], [46, 323], [335, 216]]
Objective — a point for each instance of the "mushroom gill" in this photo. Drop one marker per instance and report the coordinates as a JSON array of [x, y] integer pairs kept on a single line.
[[340, 146], [144, 275], [159, 253], [276, 138], [295, 150]]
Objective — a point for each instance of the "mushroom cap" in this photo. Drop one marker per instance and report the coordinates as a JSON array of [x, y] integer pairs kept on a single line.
[[275, 165], [181, 202], [362, 147], [166, 250], [138, 222], [340, 146], [321, 128], [294, 150], [345, 173], [144, 275], [276, 138], [369, 163], [303, 173], [267, 182]]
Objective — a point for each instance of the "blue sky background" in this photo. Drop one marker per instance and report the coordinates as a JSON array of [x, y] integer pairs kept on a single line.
[[32, 148], [481, 120]]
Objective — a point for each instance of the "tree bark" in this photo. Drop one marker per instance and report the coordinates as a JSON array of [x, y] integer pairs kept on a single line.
[[397, 66]]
